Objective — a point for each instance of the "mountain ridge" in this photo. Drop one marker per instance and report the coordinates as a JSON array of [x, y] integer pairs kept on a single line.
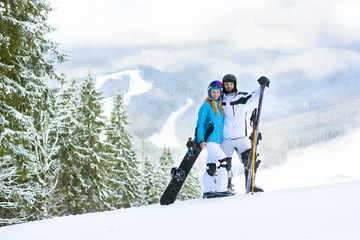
[[293, 91]]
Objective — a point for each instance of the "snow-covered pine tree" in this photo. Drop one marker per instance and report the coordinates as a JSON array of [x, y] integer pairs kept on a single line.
[[45, 144], [142, 171], [166, 162], [153, 186], [126, 177], [191, 188], [69, 176], [27, 59], [92, 191]]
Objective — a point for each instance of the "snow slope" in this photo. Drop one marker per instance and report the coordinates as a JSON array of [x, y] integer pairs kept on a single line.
[[315, 195], [293, 211], [321, 212], [333, 161], [167, 136], [137, 86]]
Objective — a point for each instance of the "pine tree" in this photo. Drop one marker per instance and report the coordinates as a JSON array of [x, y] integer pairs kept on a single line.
[[27, 61], [90, 162], [191, 188], [126, 176], [166, 162], [153, 186], [69, 176], [142, 169], [45, 143]]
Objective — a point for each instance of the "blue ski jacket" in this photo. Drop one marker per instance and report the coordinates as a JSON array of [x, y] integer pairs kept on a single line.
[[207, 116]]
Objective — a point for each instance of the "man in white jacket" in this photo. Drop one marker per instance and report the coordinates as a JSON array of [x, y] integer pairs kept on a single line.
[[236, 106]]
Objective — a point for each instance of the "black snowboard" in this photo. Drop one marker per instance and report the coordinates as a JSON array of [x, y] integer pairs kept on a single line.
[[178, 175]]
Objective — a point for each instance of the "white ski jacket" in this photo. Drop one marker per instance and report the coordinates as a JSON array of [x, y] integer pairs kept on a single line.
[[236, 106]]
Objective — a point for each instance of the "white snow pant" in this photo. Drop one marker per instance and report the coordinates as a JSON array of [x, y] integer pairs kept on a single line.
[[239, 144], [214, 153]]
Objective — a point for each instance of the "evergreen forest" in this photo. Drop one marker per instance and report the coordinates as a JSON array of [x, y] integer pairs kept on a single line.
[[59, 154]]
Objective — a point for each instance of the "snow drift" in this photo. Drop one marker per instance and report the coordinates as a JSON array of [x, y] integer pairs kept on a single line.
[[321, 212]]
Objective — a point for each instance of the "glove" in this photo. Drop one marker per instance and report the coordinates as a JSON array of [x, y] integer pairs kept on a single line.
[[264, 81]]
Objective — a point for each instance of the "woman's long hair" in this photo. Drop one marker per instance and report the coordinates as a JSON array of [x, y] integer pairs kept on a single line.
[[213, 106]]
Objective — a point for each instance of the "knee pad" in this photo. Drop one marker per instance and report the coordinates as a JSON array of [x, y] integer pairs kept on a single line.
[[245, 157], [226, 163], [211, 169], [245, 154]]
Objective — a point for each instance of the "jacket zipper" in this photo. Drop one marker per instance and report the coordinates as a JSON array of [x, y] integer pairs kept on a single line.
[[219, 124]]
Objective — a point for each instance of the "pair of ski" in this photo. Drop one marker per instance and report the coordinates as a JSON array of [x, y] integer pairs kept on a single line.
[[180, 173]]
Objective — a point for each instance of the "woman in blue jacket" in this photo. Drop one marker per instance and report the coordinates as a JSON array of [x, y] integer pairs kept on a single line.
[[211, 112]]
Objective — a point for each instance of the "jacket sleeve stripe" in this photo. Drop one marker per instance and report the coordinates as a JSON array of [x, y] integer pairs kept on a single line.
[[242, 100]]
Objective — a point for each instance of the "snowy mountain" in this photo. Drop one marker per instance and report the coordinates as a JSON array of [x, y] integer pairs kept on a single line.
[[136, 85], [302, 84]]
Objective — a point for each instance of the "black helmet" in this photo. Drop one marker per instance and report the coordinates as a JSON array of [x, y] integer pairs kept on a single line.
[[216, 85], [229, 78]]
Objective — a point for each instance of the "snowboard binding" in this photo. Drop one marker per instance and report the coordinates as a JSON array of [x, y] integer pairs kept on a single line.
[[178, 174], [193, 146]]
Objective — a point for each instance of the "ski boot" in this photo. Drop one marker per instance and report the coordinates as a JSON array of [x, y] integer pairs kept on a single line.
[[256, 188], [224, 194], [209, 194]]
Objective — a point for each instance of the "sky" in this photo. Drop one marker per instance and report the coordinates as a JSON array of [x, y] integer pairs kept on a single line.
[[164, 34], [244, 24]]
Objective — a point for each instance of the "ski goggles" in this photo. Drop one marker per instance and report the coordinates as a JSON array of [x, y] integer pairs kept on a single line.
[[215, 84]]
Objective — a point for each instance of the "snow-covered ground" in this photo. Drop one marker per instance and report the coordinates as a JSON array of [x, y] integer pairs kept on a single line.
[[291, 208], [322, 212], [329, 162]]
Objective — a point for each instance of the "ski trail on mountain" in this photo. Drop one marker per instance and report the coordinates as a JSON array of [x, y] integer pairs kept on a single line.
[[137, 85], [167, 135]]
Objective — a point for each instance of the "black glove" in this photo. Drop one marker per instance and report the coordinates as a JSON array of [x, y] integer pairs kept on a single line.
[[264, 81]]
